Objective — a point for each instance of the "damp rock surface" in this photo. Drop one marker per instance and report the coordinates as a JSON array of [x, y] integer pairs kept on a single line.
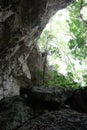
[[21, 23], [25, 113], [64, 119], [45, 97]]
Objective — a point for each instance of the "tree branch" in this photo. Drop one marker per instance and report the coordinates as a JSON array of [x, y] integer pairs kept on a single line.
[[80, 15]]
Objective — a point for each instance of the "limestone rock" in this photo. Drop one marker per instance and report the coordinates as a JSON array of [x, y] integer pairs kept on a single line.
[[78, 100], [21, 23], [16, 112], [58, 120], [13, 113], [46, 98]]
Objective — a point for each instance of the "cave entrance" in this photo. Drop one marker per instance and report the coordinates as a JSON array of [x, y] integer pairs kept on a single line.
[[64, 42]]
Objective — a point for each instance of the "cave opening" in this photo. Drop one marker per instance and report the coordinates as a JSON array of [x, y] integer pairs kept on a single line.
[[63, 42]]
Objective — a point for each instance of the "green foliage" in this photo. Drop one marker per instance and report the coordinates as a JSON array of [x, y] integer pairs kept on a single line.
[[67, 47], [39, 75], [60, 80], [77, 29]]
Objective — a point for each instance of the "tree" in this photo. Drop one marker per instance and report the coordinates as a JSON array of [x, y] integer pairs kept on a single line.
[[78, 31], [67, 44]]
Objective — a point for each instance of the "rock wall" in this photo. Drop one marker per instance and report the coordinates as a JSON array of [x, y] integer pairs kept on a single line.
[[21, 23]]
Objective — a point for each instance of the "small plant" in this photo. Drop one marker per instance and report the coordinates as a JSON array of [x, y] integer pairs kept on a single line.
[[58, 80]]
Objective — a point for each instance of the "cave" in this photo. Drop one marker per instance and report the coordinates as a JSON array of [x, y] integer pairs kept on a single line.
[[21, 23], [24, 105]]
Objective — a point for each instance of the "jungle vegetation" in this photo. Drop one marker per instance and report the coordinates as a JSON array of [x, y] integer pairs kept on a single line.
[[64, 39]]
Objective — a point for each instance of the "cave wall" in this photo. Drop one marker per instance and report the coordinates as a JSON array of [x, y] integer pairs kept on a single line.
[[21, 23]]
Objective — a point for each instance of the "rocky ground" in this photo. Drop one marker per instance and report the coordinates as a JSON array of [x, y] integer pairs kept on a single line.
[[64, 119], [45, 109]]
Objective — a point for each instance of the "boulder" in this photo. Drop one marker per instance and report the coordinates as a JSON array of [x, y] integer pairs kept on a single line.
[[13, 113], [44, 109], [46, 98], [78, 100]]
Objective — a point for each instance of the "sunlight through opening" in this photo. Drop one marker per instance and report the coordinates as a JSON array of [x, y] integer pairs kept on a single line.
[[63, 45]]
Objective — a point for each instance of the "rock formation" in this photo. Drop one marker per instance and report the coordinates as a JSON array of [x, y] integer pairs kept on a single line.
[[21, 23], [45, 109]]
